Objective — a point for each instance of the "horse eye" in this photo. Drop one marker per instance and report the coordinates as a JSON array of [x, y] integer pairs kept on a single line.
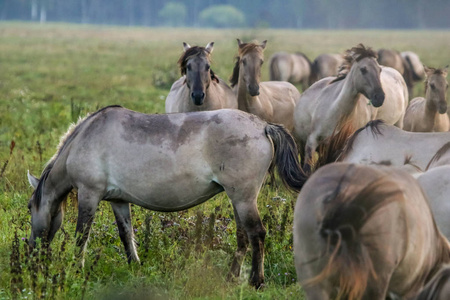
[[244, 62], [432, 86], [261, 61], [208, 67], [189, 67], [364, 70]]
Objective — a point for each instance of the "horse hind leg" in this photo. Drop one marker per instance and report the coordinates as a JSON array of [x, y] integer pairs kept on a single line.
[[248, 214], [123, 218], [242, 246], [88, 201]]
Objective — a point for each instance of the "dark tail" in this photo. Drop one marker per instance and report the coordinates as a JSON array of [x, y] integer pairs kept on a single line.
[[286, 157], [345, 214]]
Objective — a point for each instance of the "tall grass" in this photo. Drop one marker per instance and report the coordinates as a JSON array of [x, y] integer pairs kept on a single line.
[[53, 74]]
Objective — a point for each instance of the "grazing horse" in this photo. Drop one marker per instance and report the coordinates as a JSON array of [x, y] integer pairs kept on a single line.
[[165, 163], [199, 88], [272, 101], [429, 114], [333, 101], [292, 67], [326, 65], [379, 143], [363, 232]]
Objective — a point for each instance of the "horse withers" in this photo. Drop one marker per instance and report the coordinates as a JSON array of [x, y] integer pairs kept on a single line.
[[167, 162], [363, 232]]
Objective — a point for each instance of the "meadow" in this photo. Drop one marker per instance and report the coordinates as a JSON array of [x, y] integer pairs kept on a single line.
[[53, 74]]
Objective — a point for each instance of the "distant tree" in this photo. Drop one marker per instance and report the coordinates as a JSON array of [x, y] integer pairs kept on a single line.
[[173, 14], [222, 16]]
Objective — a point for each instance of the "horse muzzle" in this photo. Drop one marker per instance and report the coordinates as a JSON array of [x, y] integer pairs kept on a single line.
[[442, 108], [198, 98], [253, 89], [377, 98]]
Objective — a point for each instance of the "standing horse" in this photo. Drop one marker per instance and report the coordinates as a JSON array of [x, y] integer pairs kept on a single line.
[[363, 232], [165, 163], [199, 88], [407, 63], [429, 114], [292, 67], [326, 65], [331, 102], [272, 101]]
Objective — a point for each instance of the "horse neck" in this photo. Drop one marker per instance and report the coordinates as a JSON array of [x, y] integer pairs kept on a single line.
[[244, 99], [347, 98]]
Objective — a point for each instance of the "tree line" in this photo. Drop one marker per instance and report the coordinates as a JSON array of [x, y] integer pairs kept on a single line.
[[326, 14]]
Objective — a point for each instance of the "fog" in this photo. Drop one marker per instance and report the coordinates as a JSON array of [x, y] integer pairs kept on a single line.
[[298, 14]]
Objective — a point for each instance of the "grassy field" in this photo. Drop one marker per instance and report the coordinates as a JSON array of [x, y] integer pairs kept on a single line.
[[52, 74]]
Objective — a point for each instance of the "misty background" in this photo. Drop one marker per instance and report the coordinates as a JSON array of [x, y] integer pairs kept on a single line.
[[323, 14]]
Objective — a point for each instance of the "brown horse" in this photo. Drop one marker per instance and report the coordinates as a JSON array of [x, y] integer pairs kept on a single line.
[[326, 65], [361, 232], [272, 101], [199, 88], [292, 67], [429, 114]]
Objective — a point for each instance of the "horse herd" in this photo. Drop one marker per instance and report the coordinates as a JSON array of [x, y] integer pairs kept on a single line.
[[372, 223]]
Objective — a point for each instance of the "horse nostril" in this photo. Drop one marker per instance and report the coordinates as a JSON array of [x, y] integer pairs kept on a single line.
[[203, 95]]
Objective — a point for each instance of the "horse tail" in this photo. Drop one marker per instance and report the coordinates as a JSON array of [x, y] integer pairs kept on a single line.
[[285, 157], [274, 70], [345, 214]]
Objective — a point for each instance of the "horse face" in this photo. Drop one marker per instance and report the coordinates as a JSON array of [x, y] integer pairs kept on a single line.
[[45, 221], [437, 86], [198, 78], [367, 80]]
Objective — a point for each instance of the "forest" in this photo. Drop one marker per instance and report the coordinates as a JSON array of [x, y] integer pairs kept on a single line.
[[297, 14]]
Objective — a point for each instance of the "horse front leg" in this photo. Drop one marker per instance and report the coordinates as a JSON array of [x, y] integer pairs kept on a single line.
[[123, 218], [242, 246], [88, 201], [256, 233]]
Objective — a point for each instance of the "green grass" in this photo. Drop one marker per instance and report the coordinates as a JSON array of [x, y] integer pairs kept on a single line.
[[53, 74]]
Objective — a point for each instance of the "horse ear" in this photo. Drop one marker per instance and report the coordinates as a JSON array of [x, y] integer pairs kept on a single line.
[[263, 44], [445, 71], [240, 43], [186, 46], [210, 47], [32, 180]]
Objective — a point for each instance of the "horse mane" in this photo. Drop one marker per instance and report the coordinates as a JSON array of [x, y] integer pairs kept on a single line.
[[344, 216], [243, 49], [433, 288], [65, 140], [433, 71], [191, 52], [331, 148], [352, 55], [438, 154], [234, 79], [374, 127]]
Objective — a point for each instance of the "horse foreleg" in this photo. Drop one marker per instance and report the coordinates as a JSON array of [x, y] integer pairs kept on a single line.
[[87, 205], [123, 218], [249, 217], [242, 245]]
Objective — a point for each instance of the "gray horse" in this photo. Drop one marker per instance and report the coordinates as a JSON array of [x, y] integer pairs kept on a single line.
[[165, 163]]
